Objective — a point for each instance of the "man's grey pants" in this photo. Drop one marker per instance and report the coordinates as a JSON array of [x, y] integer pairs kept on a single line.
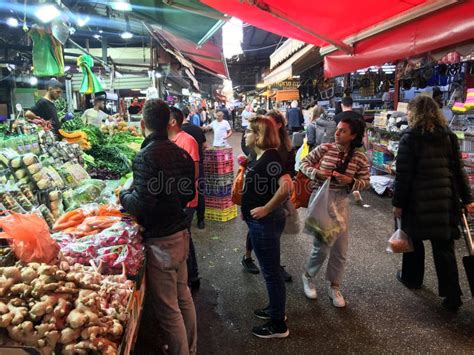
[[167, 277]]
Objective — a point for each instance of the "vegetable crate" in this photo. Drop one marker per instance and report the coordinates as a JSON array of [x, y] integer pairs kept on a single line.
[[219, 203], [225, 215], [218, 191], [218, 167], [218, 154], [220, 180]]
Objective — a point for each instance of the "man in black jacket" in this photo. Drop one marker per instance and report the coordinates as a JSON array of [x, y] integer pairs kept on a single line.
[[163, 184]]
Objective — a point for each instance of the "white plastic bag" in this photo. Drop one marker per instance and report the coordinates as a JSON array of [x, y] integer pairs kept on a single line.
[[320, 223], [399, 242], [292, 221]]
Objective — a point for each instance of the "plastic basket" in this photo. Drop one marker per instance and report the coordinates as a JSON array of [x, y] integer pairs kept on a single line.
[[218, 191], [218, 202], [220, 180], [215, 167], [214, 214], [218, 154]]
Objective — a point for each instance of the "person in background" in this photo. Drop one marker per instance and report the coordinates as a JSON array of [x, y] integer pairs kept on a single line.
[[195, 117], [189, 144], [322, 130], [266, 187], [294, 117], [198, 134], [45, 108], [222, 130], [348, 168], [203, 113], [438, 97], [158, 204], [347, 112], [247, 114], [95, 116], [311, 127], [135, 107], [429, 186]]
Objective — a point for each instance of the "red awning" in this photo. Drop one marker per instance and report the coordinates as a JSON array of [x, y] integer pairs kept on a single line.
[[312, 22], [209, 57], [442, 29]]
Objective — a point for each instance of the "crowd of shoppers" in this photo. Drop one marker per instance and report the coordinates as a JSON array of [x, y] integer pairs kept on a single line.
[[430, 189]]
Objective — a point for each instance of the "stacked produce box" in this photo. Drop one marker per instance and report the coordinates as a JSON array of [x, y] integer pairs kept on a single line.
[[219, 172]]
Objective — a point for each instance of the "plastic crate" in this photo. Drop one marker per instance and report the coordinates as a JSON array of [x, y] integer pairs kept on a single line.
[[218, 191], [214, 214], [218, 154], [220, 180], [218, 202], [215, 167]]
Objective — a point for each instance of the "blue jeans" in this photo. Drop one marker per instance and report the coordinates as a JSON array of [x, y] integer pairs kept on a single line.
[[265, 236]]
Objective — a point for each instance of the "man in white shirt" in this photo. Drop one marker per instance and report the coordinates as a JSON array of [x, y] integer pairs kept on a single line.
[[95, 116], [222, 130]]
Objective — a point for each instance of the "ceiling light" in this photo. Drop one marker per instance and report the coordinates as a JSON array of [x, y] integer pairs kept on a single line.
[[12, 22], [169, 84], [47, 13], [97, 36], [118, 75], [126, 35], [66, 68], [33, 80], [82, 21], [261, 85], [121, 5], [100, 31], [158, 75]]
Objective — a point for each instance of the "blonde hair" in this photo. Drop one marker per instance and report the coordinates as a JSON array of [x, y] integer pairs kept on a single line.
[[425, 114], [267, 133], [317, 112], [294, 104]]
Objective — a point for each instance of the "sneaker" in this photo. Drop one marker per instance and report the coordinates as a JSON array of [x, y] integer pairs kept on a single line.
[[309, 287], [270, 330], [286, 276], [249, 265], [264, 314], [201, 224], [336, 296]]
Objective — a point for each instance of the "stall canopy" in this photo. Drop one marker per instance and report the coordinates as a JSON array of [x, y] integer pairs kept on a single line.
[[442, 29], [287, 95], [209, 57], [188, 19]]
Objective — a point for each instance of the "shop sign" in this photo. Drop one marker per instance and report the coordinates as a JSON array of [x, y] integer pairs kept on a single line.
[[286, 85]]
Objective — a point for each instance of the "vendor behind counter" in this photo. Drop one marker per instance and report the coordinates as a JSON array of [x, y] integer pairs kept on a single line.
[[45, 108]]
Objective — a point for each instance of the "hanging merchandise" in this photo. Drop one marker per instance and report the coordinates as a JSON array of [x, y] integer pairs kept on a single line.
[[48, 57], [90, 83]]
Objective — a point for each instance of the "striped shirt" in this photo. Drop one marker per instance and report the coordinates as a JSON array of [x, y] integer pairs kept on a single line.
[[326, 157]]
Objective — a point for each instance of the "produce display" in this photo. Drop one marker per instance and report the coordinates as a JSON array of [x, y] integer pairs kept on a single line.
[[122, 126], [68, 305]]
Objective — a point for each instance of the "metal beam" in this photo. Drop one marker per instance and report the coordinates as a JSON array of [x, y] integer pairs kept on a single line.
[[196, 11], [279, 15], [410, 15], [211, 33]]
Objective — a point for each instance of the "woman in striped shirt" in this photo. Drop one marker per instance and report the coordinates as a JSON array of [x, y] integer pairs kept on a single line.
[[348, 168]]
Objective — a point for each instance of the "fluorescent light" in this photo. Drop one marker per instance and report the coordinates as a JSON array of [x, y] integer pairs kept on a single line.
[[82, 21], [118, 75], [47, 13], [12, 22], [169, 84], [66, 68], [126, 35], [97, 36], [33, 80], [121, 5], [100, 31], [260, 85], [158, 75]]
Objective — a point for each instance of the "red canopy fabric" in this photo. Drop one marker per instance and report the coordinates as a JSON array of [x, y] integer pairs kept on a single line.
[[441, 29], [334, 20], [209, 57]]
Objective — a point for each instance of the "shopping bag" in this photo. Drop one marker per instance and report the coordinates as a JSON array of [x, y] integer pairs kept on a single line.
[[292, 221], [468, 260], [301, 190], [29, 238], [399, 242], [301, 153], [320, 223], [238, 186]]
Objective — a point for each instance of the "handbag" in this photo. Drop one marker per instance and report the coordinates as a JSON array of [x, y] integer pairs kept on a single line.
[[292, 221], [238, 186], [302, 189]]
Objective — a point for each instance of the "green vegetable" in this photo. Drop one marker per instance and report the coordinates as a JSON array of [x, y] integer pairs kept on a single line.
[[112, 158], [94, 135]]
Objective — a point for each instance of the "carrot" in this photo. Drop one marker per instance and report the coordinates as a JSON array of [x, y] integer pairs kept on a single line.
[[65, 225], [71, 215]]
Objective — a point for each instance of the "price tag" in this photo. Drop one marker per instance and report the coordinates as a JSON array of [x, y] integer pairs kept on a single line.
[[460, 134], [402, 107]]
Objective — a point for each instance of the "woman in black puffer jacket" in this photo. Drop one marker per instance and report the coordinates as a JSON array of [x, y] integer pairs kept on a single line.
[[429, 187]]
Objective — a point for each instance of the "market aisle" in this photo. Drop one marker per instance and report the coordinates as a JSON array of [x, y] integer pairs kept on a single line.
[[382, 315]]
